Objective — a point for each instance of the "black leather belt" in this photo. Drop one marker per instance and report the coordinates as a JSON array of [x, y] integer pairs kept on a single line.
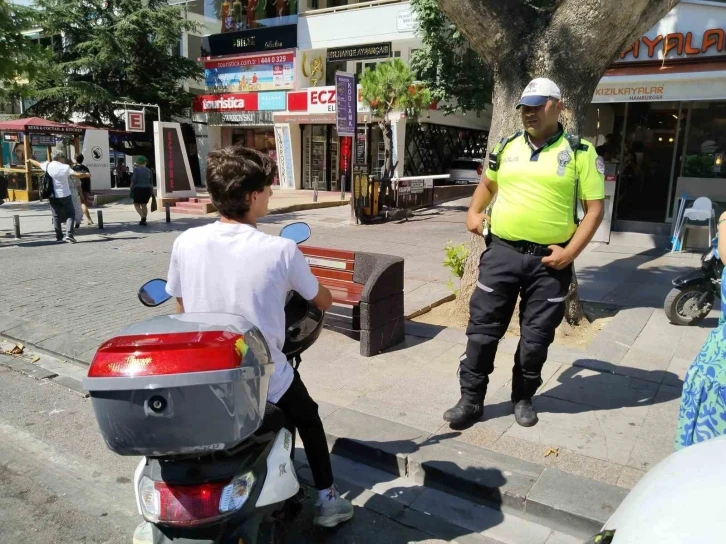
[[528, 248]]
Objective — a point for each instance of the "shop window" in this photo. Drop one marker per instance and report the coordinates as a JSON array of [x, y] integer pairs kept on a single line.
[[706, 146], [431, 149], [196, 6], [331, 68], [194, 45]]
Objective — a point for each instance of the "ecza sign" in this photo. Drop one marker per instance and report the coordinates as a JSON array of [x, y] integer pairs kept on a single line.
[[325, 99], [135, 121]]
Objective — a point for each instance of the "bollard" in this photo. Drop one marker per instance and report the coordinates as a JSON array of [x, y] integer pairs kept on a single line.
[[100, 220], [167, 207], [16, 226], [315, 192]]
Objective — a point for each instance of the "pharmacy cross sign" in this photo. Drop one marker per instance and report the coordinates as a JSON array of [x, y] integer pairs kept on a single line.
[[135, 121]]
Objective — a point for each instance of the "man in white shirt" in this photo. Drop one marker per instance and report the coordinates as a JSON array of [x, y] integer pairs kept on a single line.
[[231, 267], [61, 202]]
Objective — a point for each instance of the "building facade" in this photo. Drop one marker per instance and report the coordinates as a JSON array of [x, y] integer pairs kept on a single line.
[[269, 84], [659, 118]]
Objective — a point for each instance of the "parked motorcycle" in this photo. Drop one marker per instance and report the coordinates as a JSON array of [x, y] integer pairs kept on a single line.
[[693, 293], [188, 393]]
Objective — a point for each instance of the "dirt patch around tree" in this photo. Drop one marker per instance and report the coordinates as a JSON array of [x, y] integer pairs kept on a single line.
[[566, 335]]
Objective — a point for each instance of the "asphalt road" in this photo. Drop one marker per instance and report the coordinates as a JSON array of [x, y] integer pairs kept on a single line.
[[59, 484]]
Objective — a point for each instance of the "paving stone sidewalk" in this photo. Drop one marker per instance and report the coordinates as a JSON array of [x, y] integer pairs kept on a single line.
[[608, 414], [608, 411]]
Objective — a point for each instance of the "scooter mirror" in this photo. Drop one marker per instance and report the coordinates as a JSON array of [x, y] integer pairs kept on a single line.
[[153, 293], [297, 232]]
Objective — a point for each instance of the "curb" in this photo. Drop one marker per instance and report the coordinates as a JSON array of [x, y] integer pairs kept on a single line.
[[39, 372], [427, 309], [309, 206], [548, 496]]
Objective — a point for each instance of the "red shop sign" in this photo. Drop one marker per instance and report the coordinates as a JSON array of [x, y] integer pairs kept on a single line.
[[225, 102]]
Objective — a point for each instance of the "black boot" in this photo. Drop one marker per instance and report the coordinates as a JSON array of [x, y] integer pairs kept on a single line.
[[464, 412], [525, 414]]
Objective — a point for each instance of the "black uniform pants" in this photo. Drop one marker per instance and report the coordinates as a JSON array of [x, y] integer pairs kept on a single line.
[[505, 274]]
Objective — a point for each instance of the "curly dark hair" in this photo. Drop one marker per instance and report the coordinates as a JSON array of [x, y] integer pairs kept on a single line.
[[233, 174]]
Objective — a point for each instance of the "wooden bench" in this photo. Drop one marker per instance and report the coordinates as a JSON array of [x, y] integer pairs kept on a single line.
[[367, 294]]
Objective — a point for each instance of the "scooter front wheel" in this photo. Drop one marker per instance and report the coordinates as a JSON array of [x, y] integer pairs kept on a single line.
[[684, 306]]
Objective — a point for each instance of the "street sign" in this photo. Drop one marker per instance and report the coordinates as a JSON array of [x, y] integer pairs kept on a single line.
[[347, 103], [135, 121], [417, 186]]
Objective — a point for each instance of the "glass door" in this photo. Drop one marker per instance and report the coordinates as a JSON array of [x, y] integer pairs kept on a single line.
[[647, 161], [318, 168]]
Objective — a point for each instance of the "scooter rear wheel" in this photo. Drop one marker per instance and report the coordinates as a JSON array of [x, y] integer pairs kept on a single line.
[[681, 305]]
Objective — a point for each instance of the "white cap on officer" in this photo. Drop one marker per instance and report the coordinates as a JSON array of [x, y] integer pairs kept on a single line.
[[538, 92]]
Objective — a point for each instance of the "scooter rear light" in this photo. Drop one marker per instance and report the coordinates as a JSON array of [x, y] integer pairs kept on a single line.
[[236, 493], [175, 353], [181, 504], [479, 169]]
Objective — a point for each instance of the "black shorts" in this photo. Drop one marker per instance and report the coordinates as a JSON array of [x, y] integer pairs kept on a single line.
[[142, 195], [86, 186]]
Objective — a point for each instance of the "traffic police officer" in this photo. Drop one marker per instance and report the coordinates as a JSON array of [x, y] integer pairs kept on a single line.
[[538, 176]]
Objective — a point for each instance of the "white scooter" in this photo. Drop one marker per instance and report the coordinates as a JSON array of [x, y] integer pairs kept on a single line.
[[679, 501], [188, 393]]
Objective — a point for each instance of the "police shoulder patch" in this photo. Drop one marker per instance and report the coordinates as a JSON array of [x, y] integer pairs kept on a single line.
[[600, 163]]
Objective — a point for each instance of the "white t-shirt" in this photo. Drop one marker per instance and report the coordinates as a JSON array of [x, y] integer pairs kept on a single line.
[[60, 173], [236, 269]]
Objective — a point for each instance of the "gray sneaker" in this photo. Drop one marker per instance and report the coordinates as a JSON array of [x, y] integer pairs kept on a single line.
[[143, 533], [331, 513]]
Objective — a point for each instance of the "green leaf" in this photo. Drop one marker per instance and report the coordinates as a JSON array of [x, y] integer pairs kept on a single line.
[[454, 74]]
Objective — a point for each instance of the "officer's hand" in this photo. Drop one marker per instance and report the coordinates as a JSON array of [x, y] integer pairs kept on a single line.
[[558, 259], [475, 222]]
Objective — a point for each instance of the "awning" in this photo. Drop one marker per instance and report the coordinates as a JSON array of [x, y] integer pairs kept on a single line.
[[37, 125], [655, 83]]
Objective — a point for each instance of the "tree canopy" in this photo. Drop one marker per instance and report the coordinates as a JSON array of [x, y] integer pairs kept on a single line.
[[391, 87], [20, 57], [459, 80], [113, 50]]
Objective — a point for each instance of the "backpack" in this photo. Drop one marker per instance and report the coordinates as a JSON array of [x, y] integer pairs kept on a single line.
[[573, 140], [46, 187]]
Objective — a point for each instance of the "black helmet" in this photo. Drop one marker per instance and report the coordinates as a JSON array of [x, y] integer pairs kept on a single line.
[[303, 323]]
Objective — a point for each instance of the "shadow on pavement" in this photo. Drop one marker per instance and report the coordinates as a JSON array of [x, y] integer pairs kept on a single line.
[[609, 388], [431, 513], [626, 283]]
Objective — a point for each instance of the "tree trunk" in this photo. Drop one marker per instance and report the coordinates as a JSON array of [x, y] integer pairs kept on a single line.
[[386, 191], [571, 42]]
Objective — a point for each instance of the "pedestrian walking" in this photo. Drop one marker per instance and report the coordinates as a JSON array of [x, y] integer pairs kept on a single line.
[[85, 185], [75, 186], [61, 203], [141, 186], [538, 175], [3, 189]]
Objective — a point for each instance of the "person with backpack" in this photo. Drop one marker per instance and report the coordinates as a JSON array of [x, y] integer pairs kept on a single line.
[[58, 193], [537, 175]]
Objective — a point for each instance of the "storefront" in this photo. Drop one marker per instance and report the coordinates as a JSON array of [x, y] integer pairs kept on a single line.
[[248, 70], [659, 118], [318, 158]]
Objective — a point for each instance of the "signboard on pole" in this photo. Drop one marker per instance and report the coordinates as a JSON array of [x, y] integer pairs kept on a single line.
[[135, 121], [96, 151], [173, 174], [347, 102]]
